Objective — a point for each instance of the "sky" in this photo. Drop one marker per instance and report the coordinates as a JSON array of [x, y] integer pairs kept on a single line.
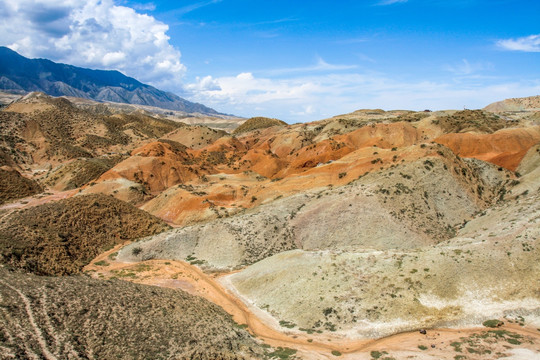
[[295, 60]]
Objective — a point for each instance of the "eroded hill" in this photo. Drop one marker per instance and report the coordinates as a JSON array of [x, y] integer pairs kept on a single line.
[[232, 173], [419, 203], [487, 271], [59, 238], [14, 186], [361, 225], [39, 130], [80, 318]]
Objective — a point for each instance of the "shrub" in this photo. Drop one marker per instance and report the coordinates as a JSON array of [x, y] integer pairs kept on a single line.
[[377, 354], [287, 324], [492, 323], [136, 251], [281, 353]]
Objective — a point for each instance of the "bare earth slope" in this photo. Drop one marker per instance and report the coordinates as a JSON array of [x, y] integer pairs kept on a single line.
[[505, 148], [419, 203], [218, 177], [489, 270]]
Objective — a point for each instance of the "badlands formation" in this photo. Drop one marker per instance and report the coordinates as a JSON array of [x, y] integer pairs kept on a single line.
[[340, 238]]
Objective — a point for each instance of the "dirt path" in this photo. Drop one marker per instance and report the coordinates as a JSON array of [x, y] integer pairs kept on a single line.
[[38, 199], [37, 331], [182, 275]]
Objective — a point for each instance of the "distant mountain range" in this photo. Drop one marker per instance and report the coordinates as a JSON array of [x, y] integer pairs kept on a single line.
[[20, 74]]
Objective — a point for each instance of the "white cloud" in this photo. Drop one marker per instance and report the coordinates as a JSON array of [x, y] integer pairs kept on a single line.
[[391, 2], [351, 41], [467, 68], [319, 66], [206, 83], [320, 96], [528, 44], [193, 7], [145, 7], [245, 76], [364, 57], [95, 34]]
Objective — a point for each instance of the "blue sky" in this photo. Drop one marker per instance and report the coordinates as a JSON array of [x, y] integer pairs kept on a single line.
[[296, 60]]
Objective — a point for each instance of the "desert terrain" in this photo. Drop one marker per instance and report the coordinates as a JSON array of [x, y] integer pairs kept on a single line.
[[130, 233]]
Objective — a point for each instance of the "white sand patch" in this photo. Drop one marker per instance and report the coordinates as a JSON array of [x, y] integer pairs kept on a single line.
[[479, 305], [523, 354]]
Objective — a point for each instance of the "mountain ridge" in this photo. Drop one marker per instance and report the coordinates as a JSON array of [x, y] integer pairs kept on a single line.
[[20, 74]]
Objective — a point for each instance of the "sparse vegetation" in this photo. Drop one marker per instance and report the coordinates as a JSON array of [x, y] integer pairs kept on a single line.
[[60, 238], [281, 353], [258, 123], [15, 186], [476, 120], [326, 257], [68, 310]]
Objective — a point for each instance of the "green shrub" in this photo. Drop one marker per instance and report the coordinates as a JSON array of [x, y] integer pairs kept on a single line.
[[281, 353], [377, 354], [492, 323], [287, 324]]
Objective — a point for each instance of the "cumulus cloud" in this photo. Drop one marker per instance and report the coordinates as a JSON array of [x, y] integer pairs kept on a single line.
[[206, 83], [324, 95], [528, 44], [95, 34]]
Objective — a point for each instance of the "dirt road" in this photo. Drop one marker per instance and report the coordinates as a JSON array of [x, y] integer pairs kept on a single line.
[[182, 275]]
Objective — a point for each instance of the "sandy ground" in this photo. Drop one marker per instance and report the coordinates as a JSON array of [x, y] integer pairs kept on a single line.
[[435, 344]]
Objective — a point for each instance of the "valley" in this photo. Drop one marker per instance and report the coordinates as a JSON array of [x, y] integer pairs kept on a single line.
[[310, 345], [339, 238]]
